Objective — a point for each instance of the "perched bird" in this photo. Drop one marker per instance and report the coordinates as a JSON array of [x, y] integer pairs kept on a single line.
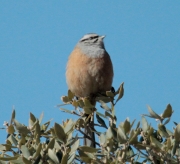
[[89, 68]]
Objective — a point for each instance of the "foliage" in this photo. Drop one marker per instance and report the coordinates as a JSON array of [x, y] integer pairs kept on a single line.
[[116, 144]]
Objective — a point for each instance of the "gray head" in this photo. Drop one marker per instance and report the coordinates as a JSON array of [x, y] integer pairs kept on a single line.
[[92, 44], [92, 39]]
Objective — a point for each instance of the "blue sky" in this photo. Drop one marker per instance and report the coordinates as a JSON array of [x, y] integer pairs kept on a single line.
[[36, 38]]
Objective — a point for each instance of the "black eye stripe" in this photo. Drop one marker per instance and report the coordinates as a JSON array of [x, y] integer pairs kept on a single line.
[[93, 37], [83, 40], [90, 38]]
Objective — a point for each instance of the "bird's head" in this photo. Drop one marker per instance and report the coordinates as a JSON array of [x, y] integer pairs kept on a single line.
[[92, 39]]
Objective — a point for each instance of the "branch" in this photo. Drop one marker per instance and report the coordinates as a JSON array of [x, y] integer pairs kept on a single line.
[[85, 135]]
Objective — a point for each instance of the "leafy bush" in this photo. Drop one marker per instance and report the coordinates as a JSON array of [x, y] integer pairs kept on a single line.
[[120, 143]]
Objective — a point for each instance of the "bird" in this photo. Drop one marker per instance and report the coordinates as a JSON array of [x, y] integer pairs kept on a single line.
[[89, 69]]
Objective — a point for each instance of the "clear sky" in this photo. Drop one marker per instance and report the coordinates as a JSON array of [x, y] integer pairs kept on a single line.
[[36, 38]]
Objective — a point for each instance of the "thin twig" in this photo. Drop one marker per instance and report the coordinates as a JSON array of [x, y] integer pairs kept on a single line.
[[141, 152]]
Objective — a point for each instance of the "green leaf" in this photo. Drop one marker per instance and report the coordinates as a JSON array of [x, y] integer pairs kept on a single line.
[[71, 158], [38, 150], [65, 99], [150, 132], [84, 156], [59, 105], [121, 135], [51, 144], [41, 117], [109, 134], [17, 161], [3, 162], [37, 132], [169, 132], [126, 126], [25, 151], [130, 152], [101, 121], [175, 146], [167, 112], [87, 103], [80, 103], [13, 140], [53, 156], [137, 126], [153, 114], [60, 132], [177, 133], [74, 147], [104, 106], [100, 114], [33, 125], [107, 114], [134, 136], [7, 146], [168, 143], [57, 145], [69, 136], [132, 133], [66, 110], [69, 126], [178, 152], [113, 111], [8, 158], [121, 92], [20, 127], [26, 161], [132, 123], [102, 139], [109, 94], [114, 132], [88, 149], [90, 155], [145, 125], [37, 129], [105, 99], [141, 146], [70, 95], [10, 129], [87, 110], [80, 122], [32, 117], [45, 126], [162, 131], [2, 148], [167, 121], [72, 140], [155, 142], [12, 116], [64, 159], [32, 120], [75, 103]]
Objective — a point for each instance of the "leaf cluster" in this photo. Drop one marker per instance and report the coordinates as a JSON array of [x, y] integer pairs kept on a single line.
[[116, 143]]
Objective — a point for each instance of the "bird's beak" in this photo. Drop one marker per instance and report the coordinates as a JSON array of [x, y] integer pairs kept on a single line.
[[102, 37]]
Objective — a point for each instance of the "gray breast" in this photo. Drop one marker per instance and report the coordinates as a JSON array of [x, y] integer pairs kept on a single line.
[[93, 51]]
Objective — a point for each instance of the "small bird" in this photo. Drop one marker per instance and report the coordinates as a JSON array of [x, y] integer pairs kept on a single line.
[[89, 68]]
